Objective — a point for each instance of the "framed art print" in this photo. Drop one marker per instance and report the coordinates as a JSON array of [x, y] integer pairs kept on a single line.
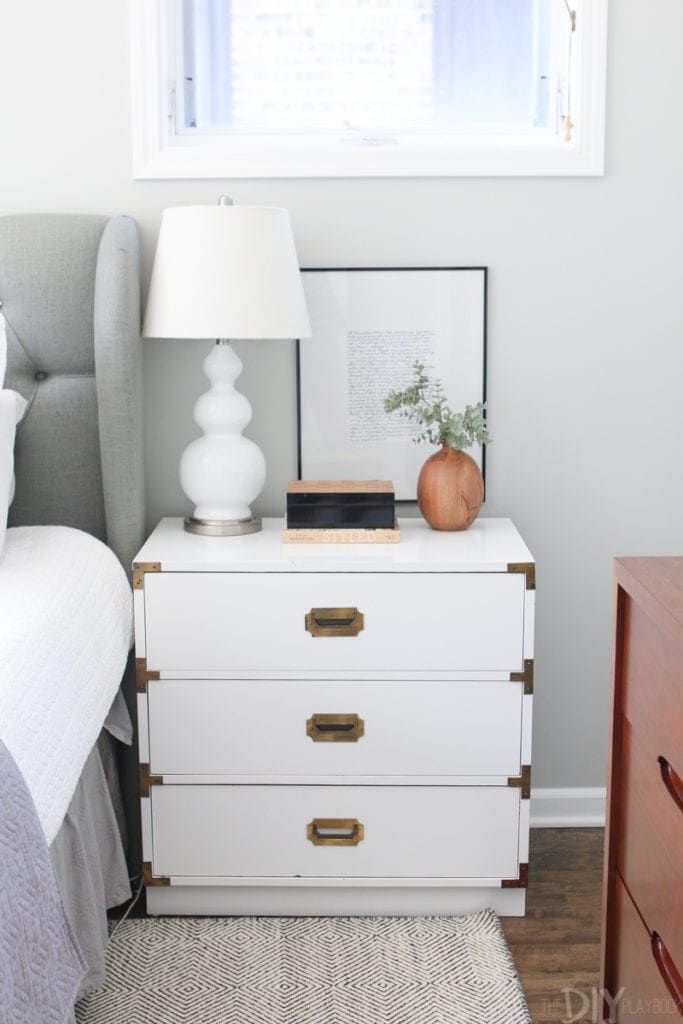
[[369, 327]]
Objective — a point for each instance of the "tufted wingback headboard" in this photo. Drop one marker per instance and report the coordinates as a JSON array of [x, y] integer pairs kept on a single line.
[[70, 293]]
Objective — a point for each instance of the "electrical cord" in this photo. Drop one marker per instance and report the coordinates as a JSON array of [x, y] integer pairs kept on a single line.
[[130, 906]]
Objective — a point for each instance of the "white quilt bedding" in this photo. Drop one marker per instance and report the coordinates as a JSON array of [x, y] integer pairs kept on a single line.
[[66, 626]]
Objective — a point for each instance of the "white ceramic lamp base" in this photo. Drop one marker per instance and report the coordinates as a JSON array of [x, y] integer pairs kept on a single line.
[[222, 472]]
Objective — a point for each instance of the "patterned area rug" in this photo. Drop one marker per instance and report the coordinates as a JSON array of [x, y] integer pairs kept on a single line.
[[331, 970]]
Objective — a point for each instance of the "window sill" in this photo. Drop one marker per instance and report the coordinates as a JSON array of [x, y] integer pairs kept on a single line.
[[303, 158]]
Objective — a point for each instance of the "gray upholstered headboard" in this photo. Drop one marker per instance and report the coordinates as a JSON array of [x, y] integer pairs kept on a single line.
[[70, 293]]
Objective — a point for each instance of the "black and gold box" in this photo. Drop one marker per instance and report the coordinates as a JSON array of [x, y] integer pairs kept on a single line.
[[341, 504]]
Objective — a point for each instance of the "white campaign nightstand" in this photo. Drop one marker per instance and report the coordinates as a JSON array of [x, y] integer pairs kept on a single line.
[[335, 729]]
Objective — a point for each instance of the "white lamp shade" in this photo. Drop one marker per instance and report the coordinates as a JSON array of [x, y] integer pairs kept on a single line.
[[226, 272]]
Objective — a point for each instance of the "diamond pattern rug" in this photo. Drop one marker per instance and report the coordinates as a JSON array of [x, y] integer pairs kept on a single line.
[[297, 970]]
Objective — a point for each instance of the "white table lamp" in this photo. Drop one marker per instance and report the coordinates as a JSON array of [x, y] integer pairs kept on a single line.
[[224, 272]]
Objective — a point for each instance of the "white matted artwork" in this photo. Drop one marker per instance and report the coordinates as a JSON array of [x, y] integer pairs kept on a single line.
[[369, 326]]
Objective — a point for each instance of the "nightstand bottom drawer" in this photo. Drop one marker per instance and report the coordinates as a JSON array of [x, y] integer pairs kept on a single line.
[[331, 831]]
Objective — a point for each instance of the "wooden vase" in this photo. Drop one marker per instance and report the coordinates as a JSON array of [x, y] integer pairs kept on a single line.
[[450, 489]]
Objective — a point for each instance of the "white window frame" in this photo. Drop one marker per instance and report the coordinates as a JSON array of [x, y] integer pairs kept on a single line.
[[159, 152]]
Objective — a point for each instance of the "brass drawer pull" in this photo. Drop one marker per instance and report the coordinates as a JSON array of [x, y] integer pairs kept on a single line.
[[334, 622], [335, 728], [672, 781], [668, 971], [335, 831]]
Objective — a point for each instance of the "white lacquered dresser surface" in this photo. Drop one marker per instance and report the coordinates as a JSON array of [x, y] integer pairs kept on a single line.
[[488, 546], [335, 729]]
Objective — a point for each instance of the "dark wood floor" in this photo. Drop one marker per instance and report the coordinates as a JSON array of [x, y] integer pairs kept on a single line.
[[557, 945]]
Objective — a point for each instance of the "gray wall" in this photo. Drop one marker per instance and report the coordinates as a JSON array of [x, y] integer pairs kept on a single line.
[[586, 316]]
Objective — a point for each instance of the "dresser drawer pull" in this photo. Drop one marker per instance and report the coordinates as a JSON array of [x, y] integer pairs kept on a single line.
[[335, 831], [668, 971], [672, 781], [335, 728], [334, 621]]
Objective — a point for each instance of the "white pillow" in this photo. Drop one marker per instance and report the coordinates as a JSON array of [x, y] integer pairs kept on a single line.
[[21, 405], [12, 408]]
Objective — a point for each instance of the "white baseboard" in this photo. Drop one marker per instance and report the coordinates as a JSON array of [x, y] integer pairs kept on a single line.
[[568, 808]]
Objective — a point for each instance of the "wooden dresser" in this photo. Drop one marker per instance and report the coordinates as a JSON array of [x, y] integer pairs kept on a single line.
[[335, 729], [643, 909]]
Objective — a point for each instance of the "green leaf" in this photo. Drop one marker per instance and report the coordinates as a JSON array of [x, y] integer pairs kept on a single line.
[[425, 403]]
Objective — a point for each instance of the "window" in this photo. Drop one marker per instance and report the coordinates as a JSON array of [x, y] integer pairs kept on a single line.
[[244, 88]]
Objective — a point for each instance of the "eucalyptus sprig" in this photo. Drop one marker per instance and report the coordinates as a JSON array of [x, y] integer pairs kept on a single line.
[[424, 402]]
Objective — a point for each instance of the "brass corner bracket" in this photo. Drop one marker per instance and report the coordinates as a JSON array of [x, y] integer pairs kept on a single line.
[[149, 879], [529, 570], [522, 781], [143, 675], [147, 779], [526, 676], [517, 883], [139, 570]]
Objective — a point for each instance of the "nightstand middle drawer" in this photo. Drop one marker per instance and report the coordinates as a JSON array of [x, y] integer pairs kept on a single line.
[[314, 728], [330, 621]]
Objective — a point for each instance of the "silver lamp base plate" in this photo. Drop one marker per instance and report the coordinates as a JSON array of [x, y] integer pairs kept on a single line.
[[223, 528]]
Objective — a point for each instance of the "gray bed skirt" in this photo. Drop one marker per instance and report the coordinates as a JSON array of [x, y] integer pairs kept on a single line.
[[88, 855]]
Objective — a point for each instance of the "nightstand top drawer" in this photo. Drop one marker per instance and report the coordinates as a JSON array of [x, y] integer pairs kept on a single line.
[[334, 622], [490, 545]]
